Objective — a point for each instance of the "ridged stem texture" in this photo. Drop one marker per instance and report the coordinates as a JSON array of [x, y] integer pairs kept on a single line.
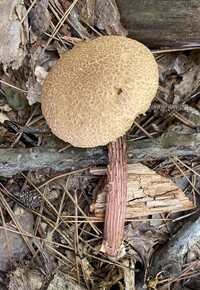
[[116, 199]]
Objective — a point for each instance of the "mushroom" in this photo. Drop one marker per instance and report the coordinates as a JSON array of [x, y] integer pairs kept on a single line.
[[91, 97]]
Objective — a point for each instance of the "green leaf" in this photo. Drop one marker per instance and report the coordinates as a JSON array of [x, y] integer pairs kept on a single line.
[[15, 99]]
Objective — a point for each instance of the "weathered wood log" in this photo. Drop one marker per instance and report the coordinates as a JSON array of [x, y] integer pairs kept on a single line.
[[171, 23], [15, 160]]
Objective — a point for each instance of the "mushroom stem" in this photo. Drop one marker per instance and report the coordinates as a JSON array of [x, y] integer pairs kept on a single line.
[[116, 199]]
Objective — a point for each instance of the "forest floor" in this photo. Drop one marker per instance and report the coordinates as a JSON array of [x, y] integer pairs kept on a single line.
[[53, 196]]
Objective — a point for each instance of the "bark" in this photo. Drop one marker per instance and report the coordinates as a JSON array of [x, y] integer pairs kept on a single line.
[[147, 193], [171, 23], [15, 160]]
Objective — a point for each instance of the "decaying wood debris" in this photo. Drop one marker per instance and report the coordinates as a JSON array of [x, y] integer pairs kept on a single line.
[[177, 258], [147, 193], [15, 160], [147, 22], [161, 233], [34, 279]]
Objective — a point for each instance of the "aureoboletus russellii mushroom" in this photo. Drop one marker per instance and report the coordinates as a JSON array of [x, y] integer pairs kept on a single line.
[[92, 96]]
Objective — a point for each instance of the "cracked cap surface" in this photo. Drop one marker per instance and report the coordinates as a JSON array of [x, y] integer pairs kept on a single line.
[[95, 91]]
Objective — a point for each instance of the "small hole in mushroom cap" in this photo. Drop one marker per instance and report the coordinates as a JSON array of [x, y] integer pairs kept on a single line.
[[119, 91]]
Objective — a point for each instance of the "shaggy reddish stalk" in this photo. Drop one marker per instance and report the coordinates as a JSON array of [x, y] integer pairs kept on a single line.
[[116, 199]]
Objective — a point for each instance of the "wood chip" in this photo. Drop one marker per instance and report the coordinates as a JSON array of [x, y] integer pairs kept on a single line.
[[147, 193]]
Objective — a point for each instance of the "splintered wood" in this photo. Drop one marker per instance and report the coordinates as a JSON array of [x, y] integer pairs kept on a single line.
[[147, 193]]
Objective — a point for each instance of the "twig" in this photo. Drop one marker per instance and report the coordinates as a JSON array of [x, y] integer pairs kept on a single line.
[[15, 160]]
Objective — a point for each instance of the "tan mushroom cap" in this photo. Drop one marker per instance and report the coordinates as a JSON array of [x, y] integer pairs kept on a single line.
[[95, 91]]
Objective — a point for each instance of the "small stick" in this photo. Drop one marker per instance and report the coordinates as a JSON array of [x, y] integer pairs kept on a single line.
[[116, 198]]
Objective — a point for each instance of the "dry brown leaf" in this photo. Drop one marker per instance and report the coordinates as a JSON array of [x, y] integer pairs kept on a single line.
[[13, 34], [24, 279], [10, 40], [107, 17], [3, 118], [40, 17], [12, 244], [190, 79]]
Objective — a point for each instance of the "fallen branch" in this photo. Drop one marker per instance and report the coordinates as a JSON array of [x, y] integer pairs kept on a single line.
[[15, 160]]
